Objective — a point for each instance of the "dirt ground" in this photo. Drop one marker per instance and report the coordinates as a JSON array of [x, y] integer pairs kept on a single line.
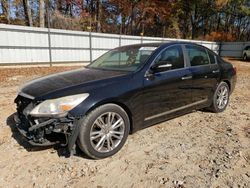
[[200, 149]]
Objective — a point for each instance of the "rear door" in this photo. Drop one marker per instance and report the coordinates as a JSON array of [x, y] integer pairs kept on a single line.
[[205, 71]]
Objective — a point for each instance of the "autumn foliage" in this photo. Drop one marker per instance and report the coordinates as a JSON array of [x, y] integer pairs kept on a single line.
[[215, 20], [220, 37]]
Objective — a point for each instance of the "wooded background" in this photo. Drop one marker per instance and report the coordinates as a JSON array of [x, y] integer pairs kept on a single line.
[[213, 20]]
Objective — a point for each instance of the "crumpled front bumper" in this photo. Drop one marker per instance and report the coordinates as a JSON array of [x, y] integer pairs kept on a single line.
[[45, 131], [24, 130]]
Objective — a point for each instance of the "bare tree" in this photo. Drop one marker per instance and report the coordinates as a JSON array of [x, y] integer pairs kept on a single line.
[[27, 12], [41, 13], [99, 15]]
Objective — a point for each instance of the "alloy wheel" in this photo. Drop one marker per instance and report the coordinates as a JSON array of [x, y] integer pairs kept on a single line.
[[245, 57], [222, 97], [107, 132]]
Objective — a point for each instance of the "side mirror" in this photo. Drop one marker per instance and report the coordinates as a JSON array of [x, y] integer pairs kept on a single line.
[[161, 66]]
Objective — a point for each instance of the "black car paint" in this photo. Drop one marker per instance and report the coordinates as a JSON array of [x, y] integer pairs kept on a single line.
[[49, 85], [142, 96]]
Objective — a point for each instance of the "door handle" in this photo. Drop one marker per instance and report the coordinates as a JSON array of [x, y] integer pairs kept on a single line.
[[186, 77], [216, 71]]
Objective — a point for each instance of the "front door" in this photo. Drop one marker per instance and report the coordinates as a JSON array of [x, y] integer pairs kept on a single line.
[[167, 92]]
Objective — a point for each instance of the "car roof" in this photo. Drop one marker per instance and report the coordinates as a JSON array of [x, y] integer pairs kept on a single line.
[[158, 44]]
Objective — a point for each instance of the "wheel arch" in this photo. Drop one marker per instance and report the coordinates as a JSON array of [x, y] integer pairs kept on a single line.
[[228, 83], [118, 103]]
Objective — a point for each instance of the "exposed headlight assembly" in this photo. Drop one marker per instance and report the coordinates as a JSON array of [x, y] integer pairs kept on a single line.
[[59, 106]]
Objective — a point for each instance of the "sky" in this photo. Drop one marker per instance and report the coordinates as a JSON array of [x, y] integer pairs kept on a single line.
[[1, 11], [12, 10]]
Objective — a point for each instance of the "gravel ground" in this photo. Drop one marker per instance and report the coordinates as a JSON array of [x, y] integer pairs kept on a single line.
[[200, 149]]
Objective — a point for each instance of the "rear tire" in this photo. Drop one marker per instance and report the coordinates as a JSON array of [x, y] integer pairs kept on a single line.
[[220, 98], [103, 131], [245, 57]]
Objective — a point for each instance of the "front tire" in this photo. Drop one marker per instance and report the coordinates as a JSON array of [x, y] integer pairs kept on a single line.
[[220, 98], [103, 131]]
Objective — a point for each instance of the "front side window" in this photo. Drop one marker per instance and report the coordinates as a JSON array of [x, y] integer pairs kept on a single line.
[[197, 55], [172, 55], [124, 58]]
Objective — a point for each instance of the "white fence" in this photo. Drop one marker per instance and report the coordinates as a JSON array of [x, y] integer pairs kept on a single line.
[[21, 45], [233, 49]]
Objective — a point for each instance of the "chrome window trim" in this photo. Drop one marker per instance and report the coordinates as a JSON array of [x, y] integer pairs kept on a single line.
[[166, 49], [171, 70]]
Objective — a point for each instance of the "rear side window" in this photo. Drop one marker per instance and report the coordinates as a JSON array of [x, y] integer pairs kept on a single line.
[[197, 55], [172, 55], [211, 57]]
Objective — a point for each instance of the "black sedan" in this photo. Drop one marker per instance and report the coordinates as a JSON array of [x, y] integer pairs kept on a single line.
[[125, 90]]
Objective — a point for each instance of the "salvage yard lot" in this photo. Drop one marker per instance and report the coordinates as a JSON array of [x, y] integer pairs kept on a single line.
[[200, 149]]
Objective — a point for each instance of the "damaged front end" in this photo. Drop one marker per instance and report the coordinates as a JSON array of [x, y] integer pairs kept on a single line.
[[44, 131]]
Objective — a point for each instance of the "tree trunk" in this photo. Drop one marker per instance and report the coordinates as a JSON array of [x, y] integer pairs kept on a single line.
[[163, 31], [123, 25], [27, 12], [218, 22], [132, 19], [193, 28], [99, 14], [41, 13], [59, 6], [186, 19], [193, 22]]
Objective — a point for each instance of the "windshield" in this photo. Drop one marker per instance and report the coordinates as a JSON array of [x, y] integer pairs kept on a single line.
[[124, 58]]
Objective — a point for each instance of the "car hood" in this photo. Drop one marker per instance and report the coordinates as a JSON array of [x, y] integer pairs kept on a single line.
[[54, 82]]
